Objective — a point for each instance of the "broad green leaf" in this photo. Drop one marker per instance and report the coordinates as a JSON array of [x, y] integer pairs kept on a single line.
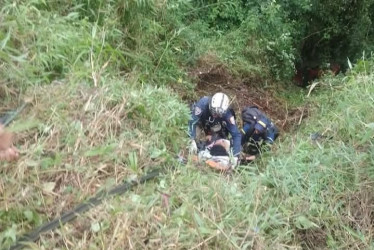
[[198, 219], [101, 150], [29, 215], [304, 223], [24, 125], [370, 125], [11, 233], [95, 227], [49, 186], [5, 40]]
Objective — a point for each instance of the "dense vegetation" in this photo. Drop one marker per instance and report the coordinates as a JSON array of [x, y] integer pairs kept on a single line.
[[106, 80]]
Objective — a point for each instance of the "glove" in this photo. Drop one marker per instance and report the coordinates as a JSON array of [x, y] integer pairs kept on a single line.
[[193, 147], [234, 162]]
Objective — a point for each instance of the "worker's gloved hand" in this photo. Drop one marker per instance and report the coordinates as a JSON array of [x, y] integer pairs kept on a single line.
[[192, 147], [234, 162]]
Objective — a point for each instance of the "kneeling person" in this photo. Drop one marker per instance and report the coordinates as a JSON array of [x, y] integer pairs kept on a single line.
[[258, 130], [215, 117]]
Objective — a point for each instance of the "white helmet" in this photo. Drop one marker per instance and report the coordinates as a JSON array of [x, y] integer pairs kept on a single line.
[[219, 104]]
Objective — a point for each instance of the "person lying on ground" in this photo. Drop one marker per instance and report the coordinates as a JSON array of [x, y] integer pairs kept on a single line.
[[214, 146], [215, 152], [214, 115]]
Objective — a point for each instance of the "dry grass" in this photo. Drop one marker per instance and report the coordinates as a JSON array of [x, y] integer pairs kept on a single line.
[[100, 121], [75, 141]]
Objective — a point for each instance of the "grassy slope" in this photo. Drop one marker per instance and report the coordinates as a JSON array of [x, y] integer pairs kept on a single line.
[[304, 194]]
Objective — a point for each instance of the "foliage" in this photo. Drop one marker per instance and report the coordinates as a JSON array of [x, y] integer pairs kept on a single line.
[[265, 36], [101, 73], [276, 37], [332, 30], [49, 42], [45, 52], [307, 33], [93, 135], [311, 193], [220, 15]]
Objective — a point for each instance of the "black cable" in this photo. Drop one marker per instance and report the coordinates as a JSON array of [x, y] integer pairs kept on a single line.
[[81, 208], [8, 118]]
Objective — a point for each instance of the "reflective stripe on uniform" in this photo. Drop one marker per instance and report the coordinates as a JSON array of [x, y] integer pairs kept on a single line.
[[262, 123]]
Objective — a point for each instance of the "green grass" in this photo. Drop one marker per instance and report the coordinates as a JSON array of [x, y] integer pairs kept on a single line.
[[76, 140], [311, 194], [103, 112]]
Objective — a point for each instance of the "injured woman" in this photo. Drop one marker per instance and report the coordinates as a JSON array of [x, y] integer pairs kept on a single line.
[[215, 151]]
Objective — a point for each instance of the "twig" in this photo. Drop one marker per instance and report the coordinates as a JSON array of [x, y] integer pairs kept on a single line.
[[204, 241], [215, 224], [301, 116], [285, 119]]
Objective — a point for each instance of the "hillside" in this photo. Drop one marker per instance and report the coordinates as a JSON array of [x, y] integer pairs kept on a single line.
[[108, 86]]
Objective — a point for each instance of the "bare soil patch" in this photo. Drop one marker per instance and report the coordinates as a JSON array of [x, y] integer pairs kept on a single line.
[[212, 76], [312, 238]]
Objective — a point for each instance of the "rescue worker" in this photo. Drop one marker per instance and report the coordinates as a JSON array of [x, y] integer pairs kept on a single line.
[[257, 129], [217, 119]]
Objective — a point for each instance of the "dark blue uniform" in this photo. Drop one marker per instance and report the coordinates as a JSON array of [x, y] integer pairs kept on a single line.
[[201, 115], [269, 135]]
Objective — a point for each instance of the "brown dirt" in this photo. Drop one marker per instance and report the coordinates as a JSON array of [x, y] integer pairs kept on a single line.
[[312, 238], [212, 76], [360, 211]]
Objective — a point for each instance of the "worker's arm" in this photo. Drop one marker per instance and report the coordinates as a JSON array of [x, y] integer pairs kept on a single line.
[[196, 113], [235, 134]]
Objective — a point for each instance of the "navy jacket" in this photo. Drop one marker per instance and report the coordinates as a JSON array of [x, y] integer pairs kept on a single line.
[[200, 114], [270, 134]]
